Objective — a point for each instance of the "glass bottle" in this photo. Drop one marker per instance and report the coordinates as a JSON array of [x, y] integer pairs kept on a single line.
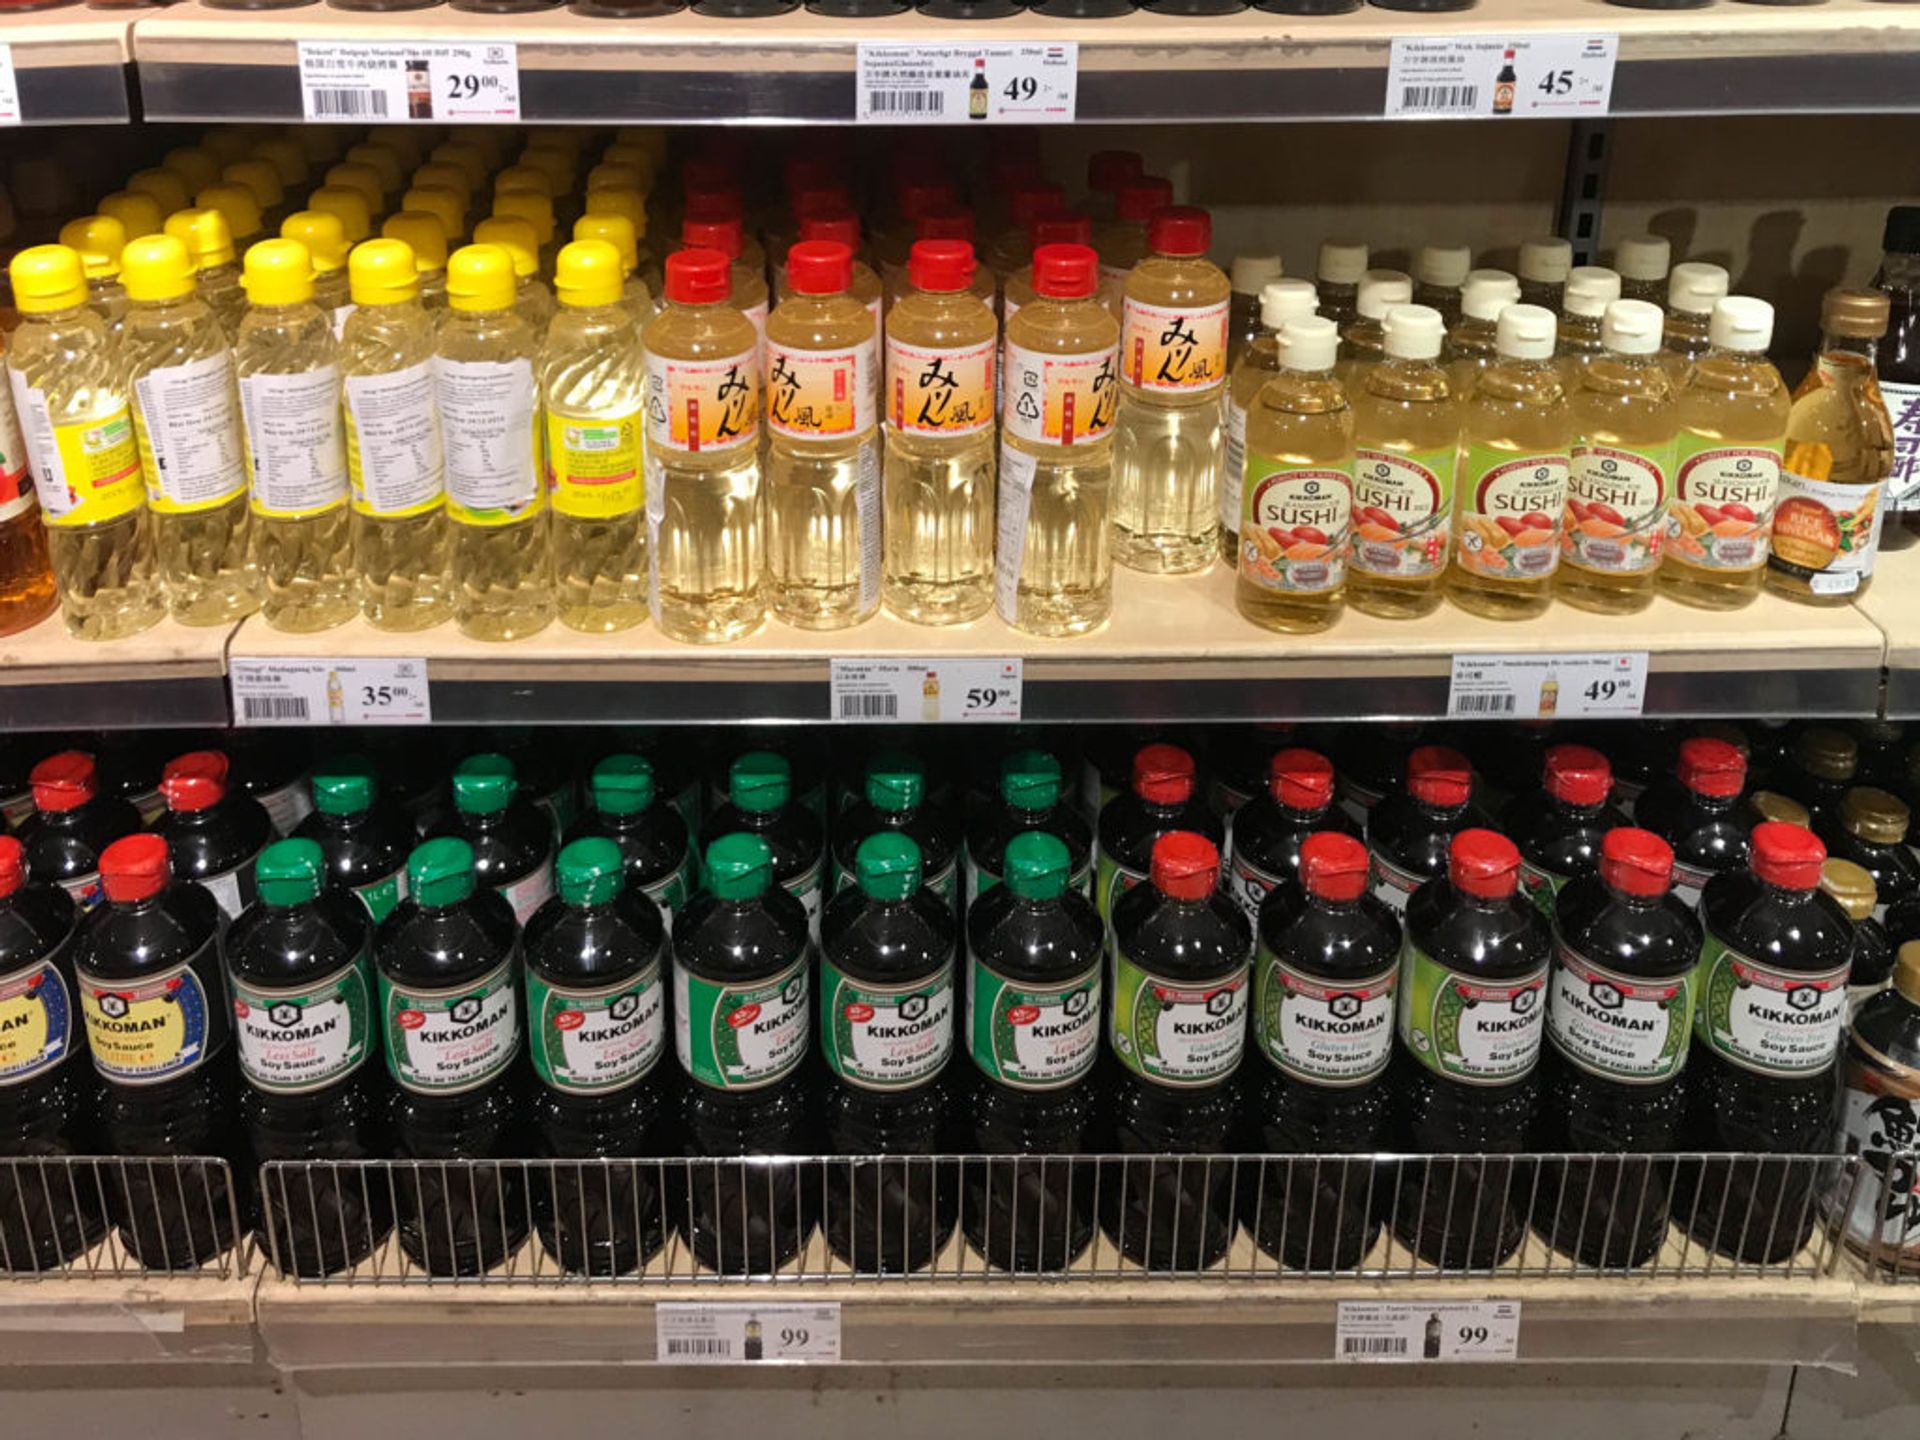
[[1470, 346], [1363, 338], [1122, 243], [1280, 301], [1439, 274], [1899, 367], [1880, 1088], [1693, 289], [1590, 290], [98, 240], [426, 237], [216, 271], [1338, 269], [1642, 262], [326, 244], [1545, 262]]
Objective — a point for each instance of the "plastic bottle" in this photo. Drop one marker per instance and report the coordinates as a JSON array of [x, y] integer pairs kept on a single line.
[[1411, 831], [1406, 430], [214, 833], [326, 245], [597, 1027], [1545, 263], [1559, 827], [1338, 266], [1030, 799], [1167, 442], [703, 455], [746, 282], [1264, 835], [1619, 1016], [532, 300], [741, 1025], [652, 837], [617, 230], [139, 215], [71, 825], [448, 961], [27, 590], [1363, 339], [1825, 762], [1693, 289], [1642, 262], [99, 240], [760, 802], [1054, 564], [1162, 799], [178, 368], [158, 1023], [1439, 275], [346, 205], [426, 240], [299, 967], [211, 246], [1108, 171], [288, 363], [1771, 1012], [1258, 361], [75, 420], [1249, 275], [1880, 1083], [1472, 340], [1696, 811], [1590, 290], [1122, 243], [364, 837], [1325, 970], [896, 799], [511, 840], [442, 192]]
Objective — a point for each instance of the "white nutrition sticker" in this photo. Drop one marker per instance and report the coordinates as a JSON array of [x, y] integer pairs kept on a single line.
[[330, 692], [9, 89], [710, 1334], [1016, 84], [1017, 470], [351, 83], [1453, 75], [1548, 686], [1452, 1330], [925, 691]]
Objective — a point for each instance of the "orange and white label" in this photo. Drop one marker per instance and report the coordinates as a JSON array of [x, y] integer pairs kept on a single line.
[[820, 394], [1173, 349], [695, 405], [940, 392], [1060, 399]]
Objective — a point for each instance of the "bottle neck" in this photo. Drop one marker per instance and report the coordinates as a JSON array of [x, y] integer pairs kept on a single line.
[[1332, 906], [1305, 373], [1860, 347], [1632, 901], [1715, 803]]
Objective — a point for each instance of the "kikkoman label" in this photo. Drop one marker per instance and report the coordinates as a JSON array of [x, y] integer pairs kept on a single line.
[[304, 1038], [594, 464], [1541, 887], [1509, 527], [395, 467], [671, 892], [187, 423], [740, 1036], [1294, 525], [1479, 1032], [1402, 508], [885, 1037], [36, 1023], [490, 426], [445, 1042], [1111, 880], [1722, 506], [1033, 1035], [821, 394], [1619, 1027], [1060, 399], [1327, 1032], [931, 391], [1826, 534], [1178, 1032], [696, 405], [85, 473], [157, 1028], [296, 447], [1392, 885], [588, 1041], [1617, 507], [1775, 1022], [1169, 348], [529, 892]]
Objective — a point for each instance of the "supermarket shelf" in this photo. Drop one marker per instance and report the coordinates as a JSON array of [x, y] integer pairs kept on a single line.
[[132, 1319], [169, 675], [70, 65], [1848, 55], [1893, 603]]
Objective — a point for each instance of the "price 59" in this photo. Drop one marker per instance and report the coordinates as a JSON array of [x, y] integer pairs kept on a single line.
[[984, 697]]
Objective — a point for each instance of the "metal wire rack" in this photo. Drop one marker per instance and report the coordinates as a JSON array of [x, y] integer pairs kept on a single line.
[[1881, 1224], [113, 1216]]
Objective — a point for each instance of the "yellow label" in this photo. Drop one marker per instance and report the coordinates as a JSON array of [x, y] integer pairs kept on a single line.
[[90, 471], [142, 1031], [594, 465]]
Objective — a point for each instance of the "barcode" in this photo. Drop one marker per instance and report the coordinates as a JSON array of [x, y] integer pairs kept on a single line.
[[869, 707], [273, 707], [716, 1345], [347, 102], [1483, 704], [913, 102], [1440, 97], [1373, 1344]]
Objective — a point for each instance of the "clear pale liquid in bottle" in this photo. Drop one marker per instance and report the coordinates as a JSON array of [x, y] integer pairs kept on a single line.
[[1281, 301], [210, 244], [1590, 289], [1693, 289], [1363, 338], [1470, 346], [99, 239], [1642, 262], [1337, 273]]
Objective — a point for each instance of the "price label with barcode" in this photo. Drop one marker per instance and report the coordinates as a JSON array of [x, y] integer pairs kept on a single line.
[[924, 691], [742, 1334], [1036, 84], [1370, 1332], [330, 692], [1545, 687], [410, 80], [1451, 76], [9, 89]]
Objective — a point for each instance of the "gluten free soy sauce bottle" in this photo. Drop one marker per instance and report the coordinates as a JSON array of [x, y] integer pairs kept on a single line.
[[71, 823], [159, 1026], [1162, 800], [1472, 1010], [1035, 946], [214, 833], [1410, 832], [1619, 1023], [1325, 971], [741, 956], [624, 806], [364, 837], [1696, 810], [760, 802], [448, 962], [895, 801], [886, 1034], [1266, 833], [1178, 1027], [300, 971], [1031, 796], [1558, 827], [596, 989], [510, 837]]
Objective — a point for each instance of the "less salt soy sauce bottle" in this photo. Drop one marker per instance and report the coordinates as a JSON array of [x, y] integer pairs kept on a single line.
[[364, 836], [624, 808]]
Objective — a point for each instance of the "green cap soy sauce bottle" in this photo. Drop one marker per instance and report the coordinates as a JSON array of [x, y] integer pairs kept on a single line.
[[760, 802], [1031, 796], [895, 800], [625, 807], [510, 836], [364, 835]]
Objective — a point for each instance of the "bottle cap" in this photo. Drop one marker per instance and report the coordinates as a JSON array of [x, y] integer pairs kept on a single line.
[[588, 273], [1590, 289], [1826, 753], [1163, 775], [344, 786], [1854, 314], [1695, 287], [1443, 267], [441, 176], [1643, 258], [1185, 866], [1871, 813], [1300, 780], [347, 205], [1033, 198], [1487, 292], [940, 266], [98, 240], [406, 143], [1381, 290], [480, 277], [620, 202], [1525, 332], [1065, 272], [1636, 862], [1030, 780], [321, 233], [440, 872], [1578, 775], [484, 784], [536, 210], [444, 203], [560, 166], [1341, 262], [1545, 260], [1483, 863], [1060, 227], [721, 235], [522, 180], [1039, 865], [1439, 776], [944, 222], [698, 277], [739, 867], [1334, 866], [1711, 767], [1906, 969], [615, 175], [291, 872], [194, 781], [422, 233], [896, 781], [277, 272], [236, 206], [1852, 886], [760, 781], [1108, 170], [1741, 323], [138, 214], [1250, 274], [1311, 342], [260, 179], [614, 230], [382, 272], [1901, 236], [622, 785], [156, 267], [135, 867], [1141, 197], [205, 233], [819, 267], [516, 237], [590, 871], [836, 223], [1789, 856], [1632, 327], [64, 782], [169, 190], [13, 866], [384, 163], [1771, 805], [195, 167], [1179, 231], [1285, 300], [1413, 332], [915, 196], [887, 866]]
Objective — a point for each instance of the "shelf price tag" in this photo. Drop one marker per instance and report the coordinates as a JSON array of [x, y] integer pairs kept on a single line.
[[1010, 84], [330, 692], [1444, 77], [924, 691], [1547, 686], [351, 83], [9, 89], [739, 1334], [1368, 1332]]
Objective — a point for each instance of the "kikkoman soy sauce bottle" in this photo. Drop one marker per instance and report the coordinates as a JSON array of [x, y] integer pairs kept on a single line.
[[363, 836], [1162, 800], [1559, 826], [760, 802], [71, 824], [1696, 810], [214, 833], [1410, 832], [1032, 797], [1265, 834], [652, 835], [512, 838], [1870, 828], [896, 800]]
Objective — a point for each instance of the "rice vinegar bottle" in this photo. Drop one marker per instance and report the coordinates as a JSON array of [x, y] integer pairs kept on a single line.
[[1280, 301], [484, 354], [593, 382], [99, 241], [1590, 289], [74, 417], [1693, 289], [1470, 343], [531, 297], [394, 463], [704, 522], [1363, 338], [939, 484], [423, 233], [186, 418], [1510, 493]]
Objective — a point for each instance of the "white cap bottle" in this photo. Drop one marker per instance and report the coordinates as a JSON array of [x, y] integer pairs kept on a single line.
[[1486, 293], [1342, 262], [1545, 260], [1525, 332], [1413, 332], [1643, 259], [1251, 273], [1443, 267], [1741, 323], [1632, 327], [1590, 289], [1380, 290], [1310, 342], [1284, 300], [1695, 287]]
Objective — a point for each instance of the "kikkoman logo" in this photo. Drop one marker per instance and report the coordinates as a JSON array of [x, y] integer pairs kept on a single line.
[[1344, 1007], [624, 1007], [1606, 996], [284, 1014], [913, 1007], [1523, 1002], [1076, 1003], [114, 1007], [795, 990], [1220, 1002], [466, 1011], [1803, 997]]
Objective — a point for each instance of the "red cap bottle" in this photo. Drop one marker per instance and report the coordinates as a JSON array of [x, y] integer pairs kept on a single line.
[[194, 781], [819, 267], [1711, 767], [1440, 777], [13, 866], [1032, 200], [836, 224], [721, 235], [944, 222], [1061, 228], [1636, 862], [1788, 856], [1065, 272], [1334, 867], [1139, 198], [135, 868], [1180, 230], [1186, 866], [1484, 864], [64, 782], [1110, 170], [1578, 775], [698, 277], [941, 266], [1163, 775], [1300, 780]]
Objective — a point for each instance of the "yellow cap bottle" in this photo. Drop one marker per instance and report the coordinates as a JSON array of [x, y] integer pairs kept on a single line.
[[47, 278], [321, 144], [480, 278], [523, 180], [98, 240], [209, 242], [261, 180], [156, 268], [237, 205], [383, 272], [557, 165], [228, 142], [195, 167], [349, 206], [612, 175], [384, 163], [167, 188], [205, 233], [427, 238], [625, 152], [442, 202], [588, 272], [278, 272], [288, 159], [533, 300], [326, 242], [357, 175], [620, 202], [138, 214], [443, 177], [536, 210], [405, 141], [466, 156], [617, 231]]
